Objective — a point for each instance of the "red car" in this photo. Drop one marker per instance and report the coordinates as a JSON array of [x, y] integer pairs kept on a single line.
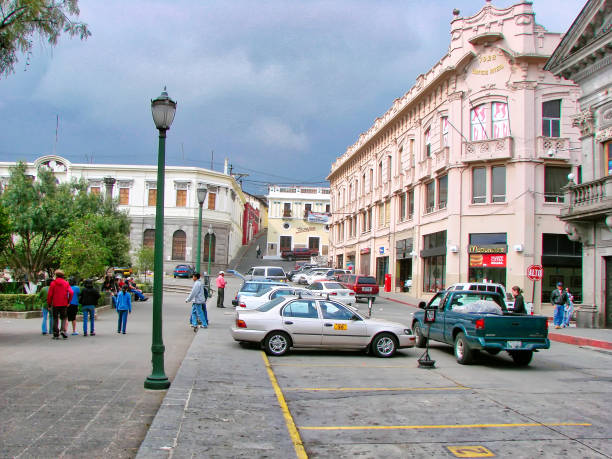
[[363, 286], [300, 253]]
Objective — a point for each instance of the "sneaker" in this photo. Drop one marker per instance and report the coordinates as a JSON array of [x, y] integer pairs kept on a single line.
[[56, 337], [195, 329], [85, 334], [75, 333], [118, 331], [92, 334], [44, 333], [64, 335], [124, 333], [203, 326], [557, 326]]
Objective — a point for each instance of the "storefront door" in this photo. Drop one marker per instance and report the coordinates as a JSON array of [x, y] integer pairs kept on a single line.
[[382, 268], [608, 316]]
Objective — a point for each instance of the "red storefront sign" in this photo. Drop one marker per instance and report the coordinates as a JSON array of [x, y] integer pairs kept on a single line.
[[488, 260]]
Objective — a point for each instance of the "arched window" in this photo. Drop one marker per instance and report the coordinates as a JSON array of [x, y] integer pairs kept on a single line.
[[149, 238], [179, 241], [209, 242]]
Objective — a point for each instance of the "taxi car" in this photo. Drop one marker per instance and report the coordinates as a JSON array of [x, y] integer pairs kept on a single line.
[[284, 323]]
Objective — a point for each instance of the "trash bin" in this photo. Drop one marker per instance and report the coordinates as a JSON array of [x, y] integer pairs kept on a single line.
[[586, 316], [387, 282]]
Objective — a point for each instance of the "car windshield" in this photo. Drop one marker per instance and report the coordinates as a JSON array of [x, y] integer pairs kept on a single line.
[[263, 290], [366, 280], [270, 304], [276, 272], [332, 285], [250, 287], [471, 297]]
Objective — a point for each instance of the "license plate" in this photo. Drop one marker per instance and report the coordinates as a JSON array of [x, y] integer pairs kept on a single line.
[[515, 344], [339, 326], [367, 289]]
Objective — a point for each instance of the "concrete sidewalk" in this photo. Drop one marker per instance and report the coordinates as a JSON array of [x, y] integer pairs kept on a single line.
[[594, 337]]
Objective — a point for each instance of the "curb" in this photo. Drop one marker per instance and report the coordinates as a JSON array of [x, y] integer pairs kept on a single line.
[[400, 301], [579, 341]]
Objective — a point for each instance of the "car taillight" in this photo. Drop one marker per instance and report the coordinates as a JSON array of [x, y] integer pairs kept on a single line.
[[480, 324], [546, 324], [242, 305], [351, 293], [240, 323]]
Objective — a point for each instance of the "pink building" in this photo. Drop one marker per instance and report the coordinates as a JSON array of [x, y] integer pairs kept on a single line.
[[461, 179]]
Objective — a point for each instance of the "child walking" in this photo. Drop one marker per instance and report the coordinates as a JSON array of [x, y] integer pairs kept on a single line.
[[124, 307]]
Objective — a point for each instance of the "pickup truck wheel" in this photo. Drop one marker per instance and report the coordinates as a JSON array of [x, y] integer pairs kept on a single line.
[[384, 345], [521, 358], [463, 353], [277, 343], [421, 341]]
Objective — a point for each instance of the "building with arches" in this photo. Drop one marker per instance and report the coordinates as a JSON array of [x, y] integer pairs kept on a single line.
[[135, 189], [461, 179]]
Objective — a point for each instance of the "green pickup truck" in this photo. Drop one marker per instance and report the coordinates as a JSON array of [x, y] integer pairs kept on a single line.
[[457, 322]]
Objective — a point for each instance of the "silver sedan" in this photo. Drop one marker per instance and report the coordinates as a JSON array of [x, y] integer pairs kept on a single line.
[[285, 323]]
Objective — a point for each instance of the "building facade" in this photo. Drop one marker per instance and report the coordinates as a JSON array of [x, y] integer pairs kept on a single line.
[[297, 217], [461, 179], [585, 56], [135, 189]]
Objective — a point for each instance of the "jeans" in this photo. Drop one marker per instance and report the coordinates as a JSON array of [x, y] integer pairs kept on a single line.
[[139, 295], [60, 313], [47, 318], [197, 314], [558, 314], [122, 321], [91, 312], [205, 313], [568, 314], [220, 295]]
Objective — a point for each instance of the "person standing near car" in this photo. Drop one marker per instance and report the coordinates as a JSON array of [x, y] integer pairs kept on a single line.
[[221, 283], [198, 296], [558, 298], [59, 297], [519, 302]]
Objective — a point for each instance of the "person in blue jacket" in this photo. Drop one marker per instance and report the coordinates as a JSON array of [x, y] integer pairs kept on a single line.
[[124, 307]]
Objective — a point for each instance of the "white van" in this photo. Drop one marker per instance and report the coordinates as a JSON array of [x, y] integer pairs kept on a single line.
[[490, 287]]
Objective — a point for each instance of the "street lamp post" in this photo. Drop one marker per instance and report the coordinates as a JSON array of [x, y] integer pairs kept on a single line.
[[201, 198], [163, 109], [210, 235]]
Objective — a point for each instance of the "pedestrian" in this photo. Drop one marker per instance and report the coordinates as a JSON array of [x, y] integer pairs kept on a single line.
[[558, 298], [47, 311], [258, 251], [135, 290], [221, 283], [89, 299], [124, 307], [59, 297], [73, 307], [569, 308], [519, 302], [198, 296], [110, 285]]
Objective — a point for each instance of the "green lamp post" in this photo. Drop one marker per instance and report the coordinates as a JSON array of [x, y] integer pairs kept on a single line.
[[210, 236], [163, 109], [201, 198]]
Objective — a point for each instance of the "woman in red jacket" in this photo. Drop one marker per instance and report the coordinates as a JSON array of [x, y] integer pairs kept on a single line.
[[59, 296]]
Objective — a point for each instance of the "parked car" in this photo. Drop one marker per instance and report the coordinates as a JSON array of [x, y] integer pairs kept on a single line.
[[268, 272], [478, 320], [302, 278], [330, 274], [299, 267], [299, 253], [253, 302], [183, 271], [123, 272], [284, 323], [487, 287], [333, 291], [363, 286], [254, 287]]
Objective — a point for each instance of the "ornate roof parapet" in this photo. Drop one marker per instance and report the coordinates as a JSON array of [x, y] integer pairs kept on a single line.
[[585, 121]]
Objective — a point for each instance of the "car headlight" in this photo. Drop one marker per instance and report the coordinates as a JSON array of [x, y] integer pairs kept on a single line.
[[407, 331]]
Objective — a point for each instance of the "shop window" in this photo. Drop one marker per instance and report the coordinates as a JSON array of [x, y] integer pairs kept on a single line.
[[555, 178], [430, 197], [498, 184], [442, 191], [428, 142], [181, 198], [152, 197], [434, 273], [124, 196], [479, 185], [551, 118], [212, 200], [148, 239], [179, 245]]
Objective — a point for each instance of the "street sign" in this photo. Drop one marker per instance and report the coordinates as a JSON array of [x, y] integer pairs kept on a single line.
[[535, 272]]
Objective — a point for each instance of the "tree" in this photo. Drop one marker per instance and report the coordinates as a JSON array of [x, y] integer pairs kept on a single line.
[[144, 259], [83, 252], [5, 229], [21, 20]]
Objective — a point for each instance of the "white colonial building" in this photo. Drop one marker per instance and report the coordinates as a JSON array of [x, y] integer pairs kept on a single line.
[[135, 189]]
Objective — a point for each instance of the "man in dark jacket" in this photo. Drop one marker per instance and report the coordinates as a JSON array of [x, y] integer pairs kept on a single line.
[[59, 297], [558, 298], [89, 299]]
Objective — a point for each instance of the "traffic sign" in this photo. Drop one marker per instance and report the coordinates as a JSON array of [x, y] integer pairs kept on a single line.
[[535, 272]]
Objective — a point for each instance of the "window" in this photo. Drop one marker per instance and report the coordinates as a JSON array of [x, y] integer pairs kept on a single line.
[[479, 185], [608, 153], [363, 180], [551, 118], [412, 154], [387, 212], [212, 200], [148, 239], [94, 190], [371, 179], [179, 242], [445, 125], [181, 198], [478, 122], [442, 192], [402, 207], [287, 208], [124, 196], [499, 126], [370, 219], [428, 142], [498, 183], [380, 176], [210, 242], [389, 168], [334, 311], [501, 123], [364, 222], [555, 178], [410, 204], [430, 197], [434, 270], [327, 208], [152, 198], [381, 214]]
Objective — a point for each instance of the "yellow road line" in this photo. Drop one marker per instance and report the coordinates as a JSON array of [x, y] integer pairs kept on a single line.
[[372, 389], [447, 426], [293, 432], [308, 365]]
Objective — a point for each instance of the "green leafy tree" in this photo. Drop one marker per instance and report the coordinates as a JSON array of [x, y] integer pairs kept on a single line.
[[5, 229], [83, 251], [144, 260], [22, 20]]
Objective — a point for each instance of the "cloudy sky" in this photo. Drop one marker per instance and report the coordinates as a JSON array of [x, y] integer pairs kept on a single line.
[[280, 87]]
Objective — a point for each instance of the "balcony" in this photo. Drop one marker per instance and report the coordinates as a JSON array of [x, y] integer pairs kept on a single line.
[[423, 169], [588, 201], [386, 189], [553, 148], [397, 183], [487, 150], [439, 159], [287, 214]]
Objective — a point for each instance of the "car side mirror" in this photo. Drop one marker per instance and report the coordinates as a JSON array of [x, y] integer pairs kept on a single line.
[[422, 305]]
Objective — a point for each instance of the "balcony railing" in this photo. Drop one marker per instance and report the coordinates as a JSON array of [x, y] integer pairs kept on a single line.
[[553, 148], [286, 214], [484, 150], [590, 199]]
